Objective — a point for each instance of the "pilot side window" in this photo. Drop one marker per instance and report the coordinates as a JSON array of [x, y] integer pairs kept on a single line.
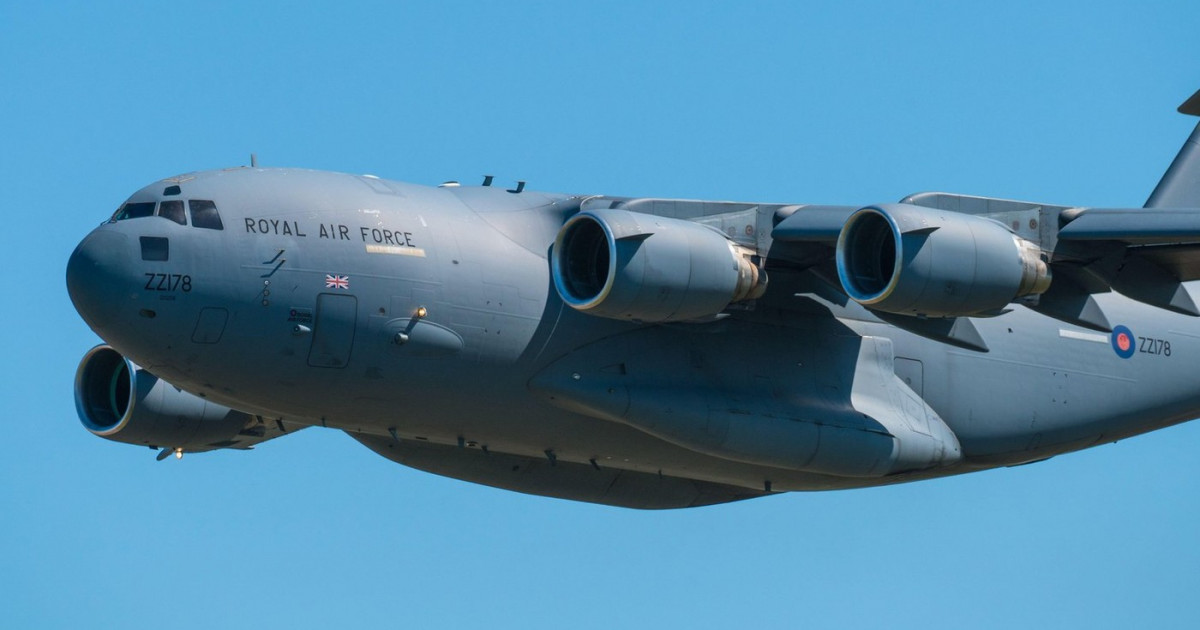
[[172, 210], [134, 211], [204, 214]]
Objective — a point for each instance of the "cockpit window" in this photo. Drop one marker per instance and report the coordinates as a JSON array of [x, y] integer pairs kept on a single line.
[[134, 211], [204, 214], [172, 210]]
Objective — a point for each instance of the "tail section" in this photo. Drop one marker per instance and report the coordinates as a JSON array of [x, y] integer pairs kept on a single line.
[[1180, 185]]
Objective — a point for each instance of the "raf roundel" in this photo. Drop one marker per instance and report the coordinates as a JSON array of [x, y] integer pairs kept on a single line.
[[1122, 342]]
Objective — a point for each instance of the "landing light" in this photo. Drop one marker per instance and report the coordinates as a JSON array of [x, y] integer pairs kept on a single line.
[[179, 453], [421, 312]]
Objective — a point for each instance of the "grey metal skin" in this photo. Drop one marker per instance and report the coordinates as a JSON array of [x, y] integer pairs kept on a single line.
[[424, 321]]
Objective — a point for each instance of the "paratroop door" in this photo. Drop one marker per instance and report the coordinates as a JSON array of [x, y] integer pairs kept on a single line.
[[333, 330]]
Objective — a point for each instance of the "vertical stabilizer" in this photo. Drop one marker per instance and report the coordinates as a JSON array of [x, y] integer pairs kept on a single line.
[[1180, 185]]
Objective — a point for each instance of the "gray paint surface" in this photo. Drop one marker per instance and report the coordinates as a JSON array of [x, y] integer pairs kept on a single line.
[[425, 322]]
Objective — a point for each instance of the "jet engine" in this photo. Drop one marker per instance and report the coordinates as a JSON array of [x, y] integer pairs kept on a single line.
[[911, 260], [633, 266], [122, 402]]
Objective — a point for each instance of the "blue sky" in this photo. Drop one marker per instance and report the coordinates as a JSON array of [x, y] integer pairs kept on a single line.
[[853, 102]]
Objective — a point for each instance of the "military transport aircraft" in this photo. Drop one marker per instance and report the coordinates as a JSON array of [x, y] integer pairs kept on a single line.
[[639, 352]]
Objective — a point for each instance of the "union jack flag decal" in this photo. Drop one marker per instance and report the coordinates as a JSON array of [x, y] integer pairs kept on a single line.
[[337, 282]]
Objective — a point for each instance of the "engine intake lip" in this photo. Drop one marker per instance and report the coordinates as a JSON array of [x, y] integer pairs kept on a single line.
[[584, 261], [104, 386], [869, 254]]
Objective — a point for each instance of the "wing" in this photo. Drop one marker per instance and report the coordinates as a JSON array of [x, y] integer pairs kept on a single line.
[[928, 263], [1145, 254]]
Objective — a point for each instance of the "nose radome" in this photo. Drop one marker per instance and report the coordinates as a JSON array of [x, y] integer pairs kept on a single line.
[[93, 273]]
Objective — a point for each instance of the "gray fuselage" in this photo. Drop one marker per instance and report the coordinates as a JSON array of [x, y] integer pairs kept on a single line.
[[428, 314]]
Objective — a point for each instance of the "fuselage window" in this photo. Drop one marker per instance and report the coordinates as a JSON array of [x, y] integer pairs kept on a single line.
[[134, 211], [204, 214], [172, 210]]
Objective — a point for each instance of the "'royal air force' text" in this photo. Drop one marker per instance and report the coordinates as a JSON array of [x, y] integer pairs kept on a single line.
[[331, 231]]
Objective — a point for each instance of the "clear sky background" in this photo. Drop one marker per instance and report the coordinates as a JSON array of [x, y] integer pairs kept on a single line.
[[848, 102]]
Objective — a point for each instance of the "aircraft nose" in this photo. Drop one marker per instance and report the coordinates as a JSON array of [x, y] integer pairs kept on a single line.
[[92, 272]]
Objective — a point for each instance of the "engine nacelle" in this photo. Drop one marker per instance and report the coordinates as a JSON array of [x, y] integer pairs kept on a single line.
[[912, 260], [119, 401], [641, 267]]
